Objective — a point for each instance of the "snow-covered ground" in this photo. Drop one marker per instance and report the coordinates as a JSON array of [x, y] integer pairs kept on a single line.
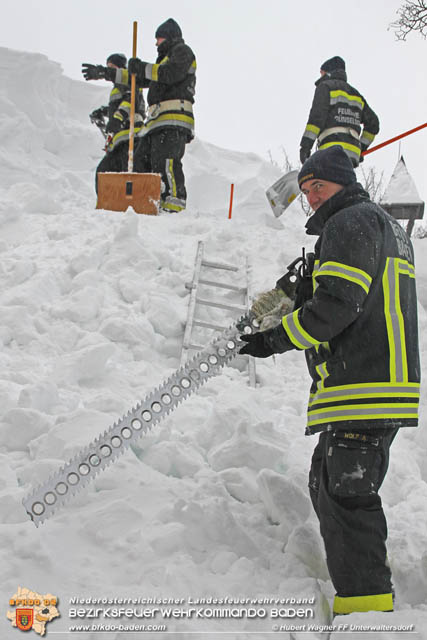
[[214, 502]]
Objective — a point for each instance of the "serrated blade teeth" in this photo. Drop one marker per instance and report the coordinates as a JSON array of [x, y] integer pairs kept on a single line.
[[43, 501]]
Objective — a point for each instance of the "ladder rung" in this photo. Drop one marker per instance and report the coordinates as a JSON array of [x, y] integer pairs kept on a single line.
[[221, 305], [223, 285], [198, 347], [208, 325], [219, 265]]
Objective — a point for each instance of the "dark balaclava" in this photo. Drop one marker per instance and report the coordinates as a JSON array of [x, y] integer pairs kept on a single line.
[[331, 164], [119, 59]]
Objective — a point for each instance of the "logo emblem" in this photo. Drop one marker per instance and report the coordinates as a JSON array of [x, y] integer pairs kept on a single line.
[[24, 619]]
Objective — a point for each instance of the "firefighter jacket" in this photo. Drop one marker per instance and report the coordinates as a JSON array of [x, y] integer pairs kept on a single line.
[[119, 106], [337, 116], [171, 83], [359, 327]]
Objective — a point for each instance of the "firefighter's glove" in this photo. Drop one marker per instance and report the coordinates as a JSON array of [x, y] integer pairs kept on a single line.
[[97, 114], [114, 125], [268, 302], [304, 153], [363, 148], [137, 66], [93, 71], [264, 343]]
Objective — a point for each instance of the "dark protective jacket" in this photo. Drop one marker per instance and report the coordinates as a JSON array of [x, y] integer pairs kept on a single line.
[[120, 103], [337, 116], [359, 329], [171, 83]]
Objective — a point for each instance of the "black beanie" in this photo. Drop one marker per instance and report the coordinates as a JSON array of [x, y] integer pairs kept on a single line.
[[170, 30], [331, 164], [333, 64], [119, 59]]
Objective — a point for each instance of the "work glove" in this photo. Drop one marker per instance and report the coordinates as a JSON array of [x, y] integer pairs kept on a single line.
[[270, 307], [363, 148], [114, 125], [304, 154], [98, 113], [264, 343], [137, 66], [93, 71]]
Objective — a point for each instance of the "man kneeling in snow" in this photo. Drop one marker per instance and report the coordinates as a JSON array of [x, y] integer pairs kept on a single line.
[[357, 324]]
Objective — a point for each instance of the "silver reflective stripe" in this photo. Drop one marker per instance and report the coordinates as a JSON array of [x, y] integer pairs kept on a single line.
[[310, 134], [358, 412], [352, 103], [332, 130], [393, 314], [297, 335], [170, 176], [336, 269], [169, 105], [149, 71], [166, 123], [365, 391]]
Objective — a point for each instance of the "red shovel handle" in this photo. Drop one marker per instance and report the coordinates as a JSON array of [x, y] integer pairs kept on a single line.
[[402, 135]]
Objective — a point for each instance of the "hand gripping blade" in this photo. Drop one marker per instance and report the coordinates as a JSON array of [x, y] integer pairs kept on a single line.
[[77, 473]]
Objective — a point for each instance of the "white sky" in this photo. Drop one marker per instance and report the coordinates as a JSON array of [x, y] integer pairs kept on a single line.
[[257, 62]]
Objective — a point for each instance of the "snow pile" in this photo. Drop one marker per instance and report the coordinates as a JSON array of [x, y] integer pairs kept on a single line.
[[213, 502], [401, 188]]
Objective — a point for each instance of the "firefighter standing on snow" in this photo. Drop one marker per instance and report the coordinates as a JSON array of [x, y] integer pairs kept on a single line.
[[171, 83], [337, 115], [357, 324], [117, 111]]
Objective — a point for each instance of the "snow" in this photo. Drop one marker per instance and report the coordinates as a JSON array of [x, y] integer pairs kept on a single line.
[[213, 502], [401, 189]]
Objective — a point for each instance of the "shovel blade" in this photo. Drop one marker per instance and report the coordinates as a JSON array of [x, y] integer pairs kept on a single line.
[[283, 192], [118, 191]]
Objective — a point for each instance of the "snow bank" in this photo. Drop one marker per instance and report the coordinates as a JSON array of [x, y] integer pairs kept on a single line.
[[213, 502]]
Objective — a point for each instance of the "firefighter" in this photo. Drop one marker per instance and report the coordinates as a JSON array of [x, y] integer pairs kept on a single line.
[[357, 324], [171, 83], [117, 112], [337, 115]]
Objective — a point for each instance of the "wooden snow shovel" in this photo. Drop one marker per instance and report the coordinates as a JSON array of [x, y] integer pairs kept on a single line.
[[284, 191], [141, 191]]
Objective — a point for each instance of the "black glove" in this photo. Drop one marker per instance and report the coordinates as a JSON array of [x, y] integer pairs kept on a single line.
[[93, 71], [304, 153], [137, 66], [114, 125], [264, 343], [97, 114]]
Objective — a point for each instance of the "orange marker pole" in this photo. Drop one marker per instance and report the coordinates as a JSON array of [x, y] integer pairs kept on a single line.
[[231, 201]]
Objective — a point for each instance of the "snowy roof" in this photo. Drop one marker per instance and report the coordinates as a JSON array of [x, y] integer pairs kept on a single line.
[[401, 188]]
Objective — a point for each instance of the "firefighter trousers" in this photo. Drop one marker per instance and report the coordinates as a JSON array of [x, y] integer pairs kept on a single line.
[[115, 161], [347, 470], [161, 151]]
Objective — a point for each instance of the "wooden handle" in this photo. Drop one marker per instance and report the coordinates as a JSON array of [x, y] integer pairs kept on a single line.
[[132, 102]]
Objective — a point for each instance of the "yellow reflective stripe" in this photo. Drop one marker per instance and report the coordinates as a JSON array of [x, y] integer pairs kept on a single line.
[[394, 319], [338, 93], [375, 411], [171, 116], [377, 602], [339, 270], [323, 373], [114, 91], [319, 398], [345, 145], [297, 335], [122, 76], [313, 128], [368, 136], [367, 390]]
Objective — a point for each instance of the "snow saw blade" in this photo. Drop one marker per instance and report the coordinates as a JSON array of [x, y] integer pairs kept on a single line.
[[99, 454]]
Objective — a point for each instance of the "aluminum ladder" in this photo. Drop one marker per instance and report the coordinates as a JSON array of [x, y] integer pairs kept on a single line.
[[198, 303]]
